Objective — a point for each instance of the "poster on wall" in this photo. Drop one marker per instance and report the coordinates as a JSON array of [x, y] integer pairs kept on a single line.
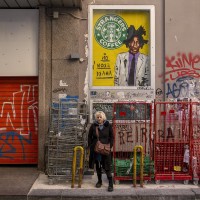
[[121, 47]]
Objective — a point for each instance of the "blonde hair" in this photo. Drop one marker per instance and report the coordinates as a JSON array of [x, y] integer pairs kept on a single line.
[[103, 115]]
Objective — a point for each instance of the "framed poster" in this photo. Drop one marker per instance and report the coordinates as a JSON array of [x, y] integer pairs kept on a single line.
[[122, 47]]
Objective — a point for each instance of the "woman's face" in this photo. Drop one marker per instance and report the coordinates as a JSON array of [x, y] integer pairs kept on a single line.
[[99, 119]]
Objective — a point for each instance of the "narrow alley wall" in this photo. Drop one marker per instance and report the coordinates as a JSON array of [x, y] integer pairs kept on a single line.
[[182, 55]]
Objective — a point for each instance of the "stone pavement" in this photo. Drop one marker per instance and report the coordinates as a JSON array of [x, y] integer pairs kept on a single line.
[[22, 183], [169, 190], [16, 181]]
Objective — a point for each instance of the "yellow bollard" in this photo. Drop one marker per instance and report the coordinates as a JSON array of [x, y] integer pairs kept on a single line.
[[74, 166], [135, 165]]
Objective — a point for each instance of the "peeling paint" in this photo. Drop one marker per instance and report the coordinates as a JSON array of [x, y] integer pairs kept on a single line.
[[86, 51], [86, 46], [61, 96], [93, 2], [62, 83], [86, 37], [176, 38], [86, 83], [86, 86]]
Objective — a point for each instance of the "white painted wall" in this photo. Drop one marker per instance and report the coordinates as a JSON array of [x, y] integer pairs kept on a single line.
[[19, 42]]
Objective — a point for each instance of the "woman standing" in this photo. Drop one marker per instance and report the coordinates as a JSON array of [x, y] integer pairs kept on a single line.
[[105, 133]]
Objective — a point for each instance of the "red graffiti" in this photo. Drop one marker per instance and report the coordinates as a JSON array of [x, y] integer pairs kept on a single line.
[[182, 66]]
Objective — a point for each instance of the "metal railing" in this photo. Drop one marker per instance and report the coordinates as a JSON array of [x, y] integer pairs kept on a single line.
[[135, 165], [80, 166]]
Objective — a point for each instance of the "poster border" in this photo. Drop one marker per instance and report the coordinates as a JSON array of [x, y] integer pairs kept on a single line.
[[151, 8]]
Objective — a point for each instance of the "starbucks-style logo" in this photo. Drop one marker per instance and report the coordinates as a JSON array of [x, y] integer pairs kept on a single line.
[[110, 31]]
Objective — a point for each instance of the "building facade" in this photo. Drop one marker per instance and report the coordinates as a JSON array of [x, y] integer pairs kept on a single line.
[[67, 49]]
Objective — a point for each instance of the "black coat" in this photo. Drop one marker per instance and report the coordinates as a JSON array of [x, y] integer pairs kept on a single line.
[[105, 136]]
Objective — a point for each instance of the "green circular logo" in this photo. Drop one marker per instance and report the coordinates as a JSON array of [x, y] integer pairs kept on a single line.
[[110, 31]]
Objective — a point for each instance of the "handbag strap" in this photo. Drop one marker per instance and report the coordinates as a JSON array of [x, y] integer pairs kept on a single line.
[[97, 132]]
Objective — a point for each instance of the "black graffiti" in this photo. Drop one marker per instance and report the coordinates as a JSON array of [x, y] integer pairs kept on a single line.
[[159, 92], [123, 127], [59, 90], [125, 137]]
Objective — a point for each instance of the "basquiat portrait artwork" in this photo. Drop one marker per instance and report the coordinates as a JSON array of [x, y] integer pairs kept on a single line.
[[132, 67], [122, 42]]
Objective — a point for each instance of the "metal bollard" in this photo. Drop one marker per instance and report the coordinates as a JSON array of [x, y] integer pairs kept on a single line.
[[74, 166], [135, 165]]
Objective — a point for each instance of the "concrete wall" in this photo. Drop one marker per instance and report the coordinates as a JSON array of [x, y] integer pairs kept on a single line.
[[69, 36], [66, 34], [176, 54], [19, 39], [182, 49]]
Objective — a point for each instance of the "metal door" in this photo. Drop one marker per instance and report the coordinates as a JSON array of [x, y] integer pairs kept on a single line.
[[18, 120]]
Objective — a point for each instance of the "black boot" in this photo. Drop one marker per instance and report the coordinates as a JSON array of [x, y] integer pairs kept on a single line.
[[99, 183], [110, 186]]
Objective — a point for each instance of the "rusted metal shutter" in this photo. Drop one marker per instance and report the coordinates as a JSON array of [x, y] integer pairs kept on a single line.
[[18, 120]]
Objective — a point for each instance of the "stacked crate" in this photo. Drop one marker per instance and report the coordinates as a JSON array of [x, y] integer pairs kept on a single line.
[[67, 130]]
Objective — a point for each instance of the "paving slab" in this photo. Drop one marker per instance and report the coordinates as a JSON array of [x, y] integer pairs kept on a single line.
[[16, 181], [13, 197], [47, 194], [99, 194], [179, 194], [27, 183], [166, 190], [197, 193], [149, 194]]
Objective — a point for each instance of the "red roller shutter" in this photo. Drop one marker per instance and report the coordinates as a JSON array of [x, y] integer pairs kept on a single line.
[[18, 120]]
